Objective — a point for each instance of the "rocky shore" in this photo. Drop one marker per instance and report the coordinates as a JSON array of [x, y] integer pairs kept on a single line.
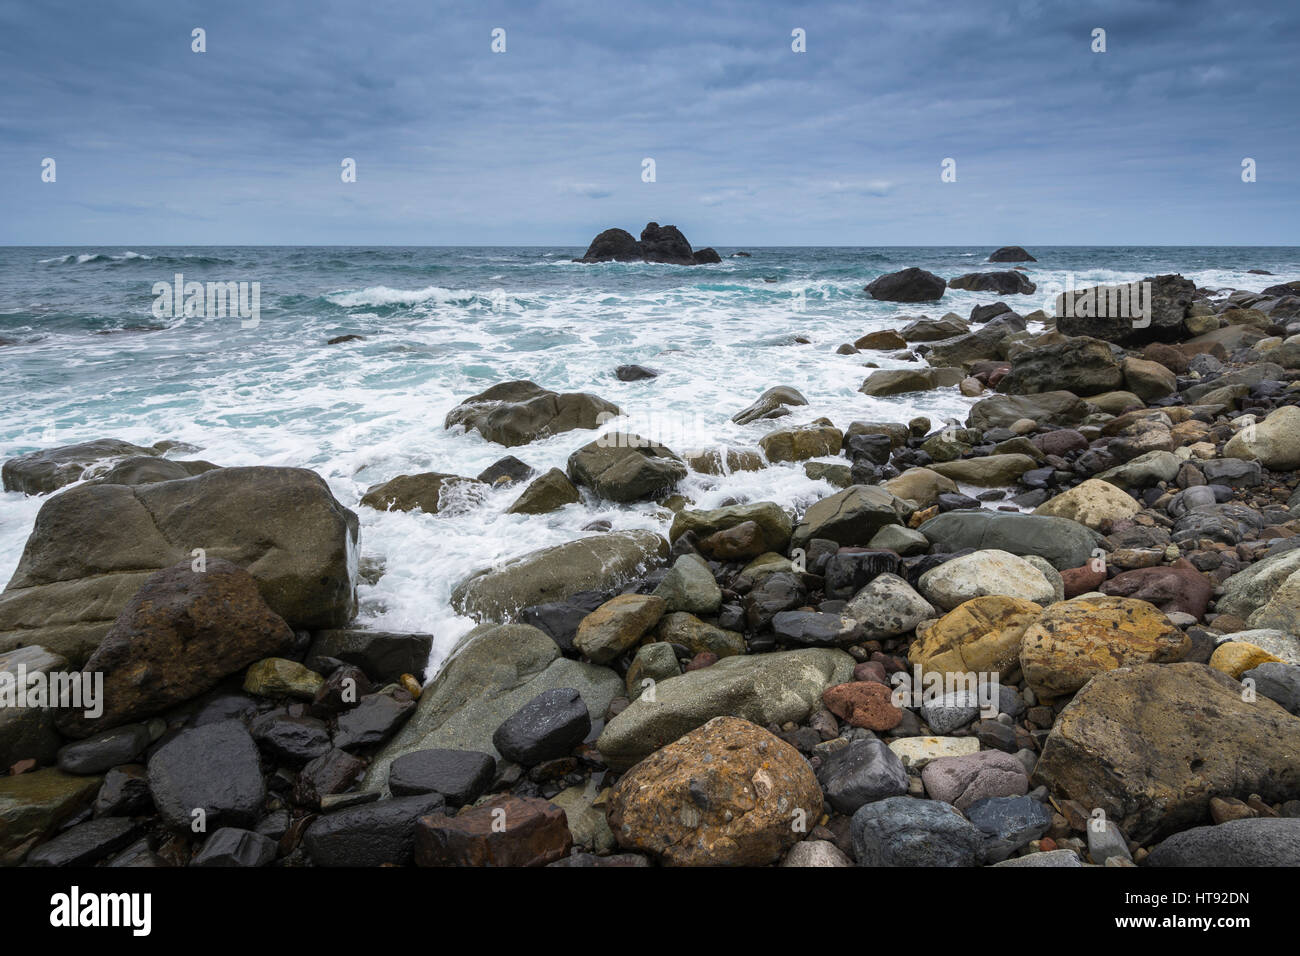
[[1064, 632]]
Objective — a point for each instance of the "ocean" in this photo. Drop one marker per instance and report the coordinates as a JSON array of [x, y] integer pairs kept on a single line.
[[83, 356]]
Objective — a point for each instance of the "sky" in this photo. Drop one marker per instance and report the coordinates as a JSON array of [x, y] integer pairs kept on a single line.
[[753, 143]]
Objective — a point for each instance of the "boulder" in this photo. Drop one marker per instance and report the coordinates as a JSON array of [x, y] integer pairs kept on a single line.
[[990, 471], [1239, 843], [1003, 411], [850, 517], [504, 831], [1011, 254], [903, 831], [596, 563], [1149, 380], [1083, 366], [964, 780], [40, 472], [934, 330], [546, 493], [1009, 282], [384, 655], [690, 586], [921, 485], [897, 381], [177, 637], [617, 624], [1112, 312], [772, 520], [519, 412], [981, 636], [1153, 767], [34, 805], [145, 470], [214, 768], [94, 546], [1093, 503], [726, 794], [771, 400], [981, 574], [1075, 640], [613, 245], [379, 833], [429, 492], [908, 285], [799, 444], [887, 607], [766, 689], [1274, 442], [861, 773], [1177, 588], [490, 675], [547, 727], [623, 467], [28, 732], [1064, 543]]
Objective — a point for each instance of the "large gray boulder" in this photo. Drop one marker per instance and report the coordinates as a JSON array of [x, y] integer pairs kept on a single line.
[[1002, 411], [765, 689], [40, 472], [907, 285], [1062, 542], [624, 467], [1081, 365], [1009, 282], [518, 412], [850, 517], [596, 563], [93, 546], [1099, 311], [1257, 842], [490, 675]]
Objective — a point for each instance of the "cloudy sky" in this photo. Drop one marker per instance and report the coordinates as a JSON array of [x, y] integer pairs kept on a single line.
[[753, 143]]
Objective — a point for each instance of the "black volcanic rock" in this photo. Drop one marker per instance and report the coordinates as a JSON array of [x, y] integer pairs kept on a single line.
[[1011, 254], [909, 285], [657, 244], [1003, 283]]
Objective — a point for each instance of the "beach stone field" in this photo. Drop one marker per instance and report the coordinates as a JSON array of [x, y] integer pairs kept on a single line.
[[1062, 633]]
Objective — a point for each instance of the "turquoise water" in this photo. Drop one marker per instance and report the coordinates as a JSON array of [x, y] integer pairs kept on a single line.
[[83, 356]]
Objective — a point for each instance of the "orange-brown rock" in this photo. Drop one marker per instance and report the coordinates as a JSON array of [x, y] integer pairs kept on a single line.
[[863, 704]]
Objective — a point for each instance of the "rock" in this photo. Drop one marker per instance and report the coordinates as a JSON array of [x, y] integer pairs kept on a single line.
[[384, 655], [920, 485], [506, 471], [1179, 588], [963, 780], [1151, 767], [1008, 823], [850, 517], [887, 607], [1106, 842], [665, 244], [817, 853], [516, 413], [176, 638], [863, 704], [461, 776], [104, 750], [1236, 657], [1143, 471], [28, 733], [586, 821], [1278, 682], [916, 752], [94, 546], [991, 471], [689, 586], [624, 467], [1149, 380], [429, 492], [1075, 640], [1062, 542], [742, 542], [634, 373], [144, 470], [862, 772], [375, 718], [768, 402], [1274, 442], [883, 340], [934, 330], [901, 380], [546, 728], [767, 689], [86, 843], [372, 834], [909, 285], [723, 461], [490, 674], [619, 623], [799, 444], [34, 805], [654, 662], [41, 472], [325, 776], [1011, 254], [613, 245], [981, 636], [948, 712], [902, 831], [291, 741], [1251, 842], [1002, 283], [902, 541], [278, 677], [213, 768], [547, 493], [1093, 503], [1112, 312], [231, 846], [1003, 411], [815, 629], [1251, 589], [726, 794], [595, 563], [505, 831], [698, 637], [989, 342], [771, 518], [1280, 644], [984, 573]]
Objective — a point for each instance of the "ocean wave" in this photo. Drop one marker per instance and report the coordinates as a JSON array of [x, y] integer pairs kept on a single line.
[[382, 295]]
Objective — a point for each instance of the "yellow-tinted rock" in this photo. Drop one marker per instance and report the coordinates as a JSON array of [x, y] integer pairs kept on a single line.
[[1073, 641], [727, 794], [982, 635], [1091, 503], [1236, 657]]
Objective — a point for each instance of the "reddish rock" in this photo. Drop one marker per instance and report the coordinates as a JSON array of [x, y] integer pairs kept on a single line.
[[1170, 356], [863, 704], [738, 543], [702, 660], [1060, 442], [1082, 580], [1178, 587], [870, 671], [180, 634], [506, 831]]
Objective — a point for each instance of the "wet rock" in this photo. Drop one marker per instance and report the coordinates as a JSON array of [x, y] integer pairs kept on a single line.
[[373, 834], [41, 472], [1064, 543], [375, 718], [534, 834], [907, 285], [624, 467], [213, 768], [516, 413], [618, 624], [324, 776], [547, 727], [104, 750], [231, 846], [689, 586], [769, 402], [430, 492], [903, 831], [771, 519], [984, 573], [28, 733], [384, 656], [981, 636], [888, 607], [851, 517], [86, 843], [34, 805], [551, 491]]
